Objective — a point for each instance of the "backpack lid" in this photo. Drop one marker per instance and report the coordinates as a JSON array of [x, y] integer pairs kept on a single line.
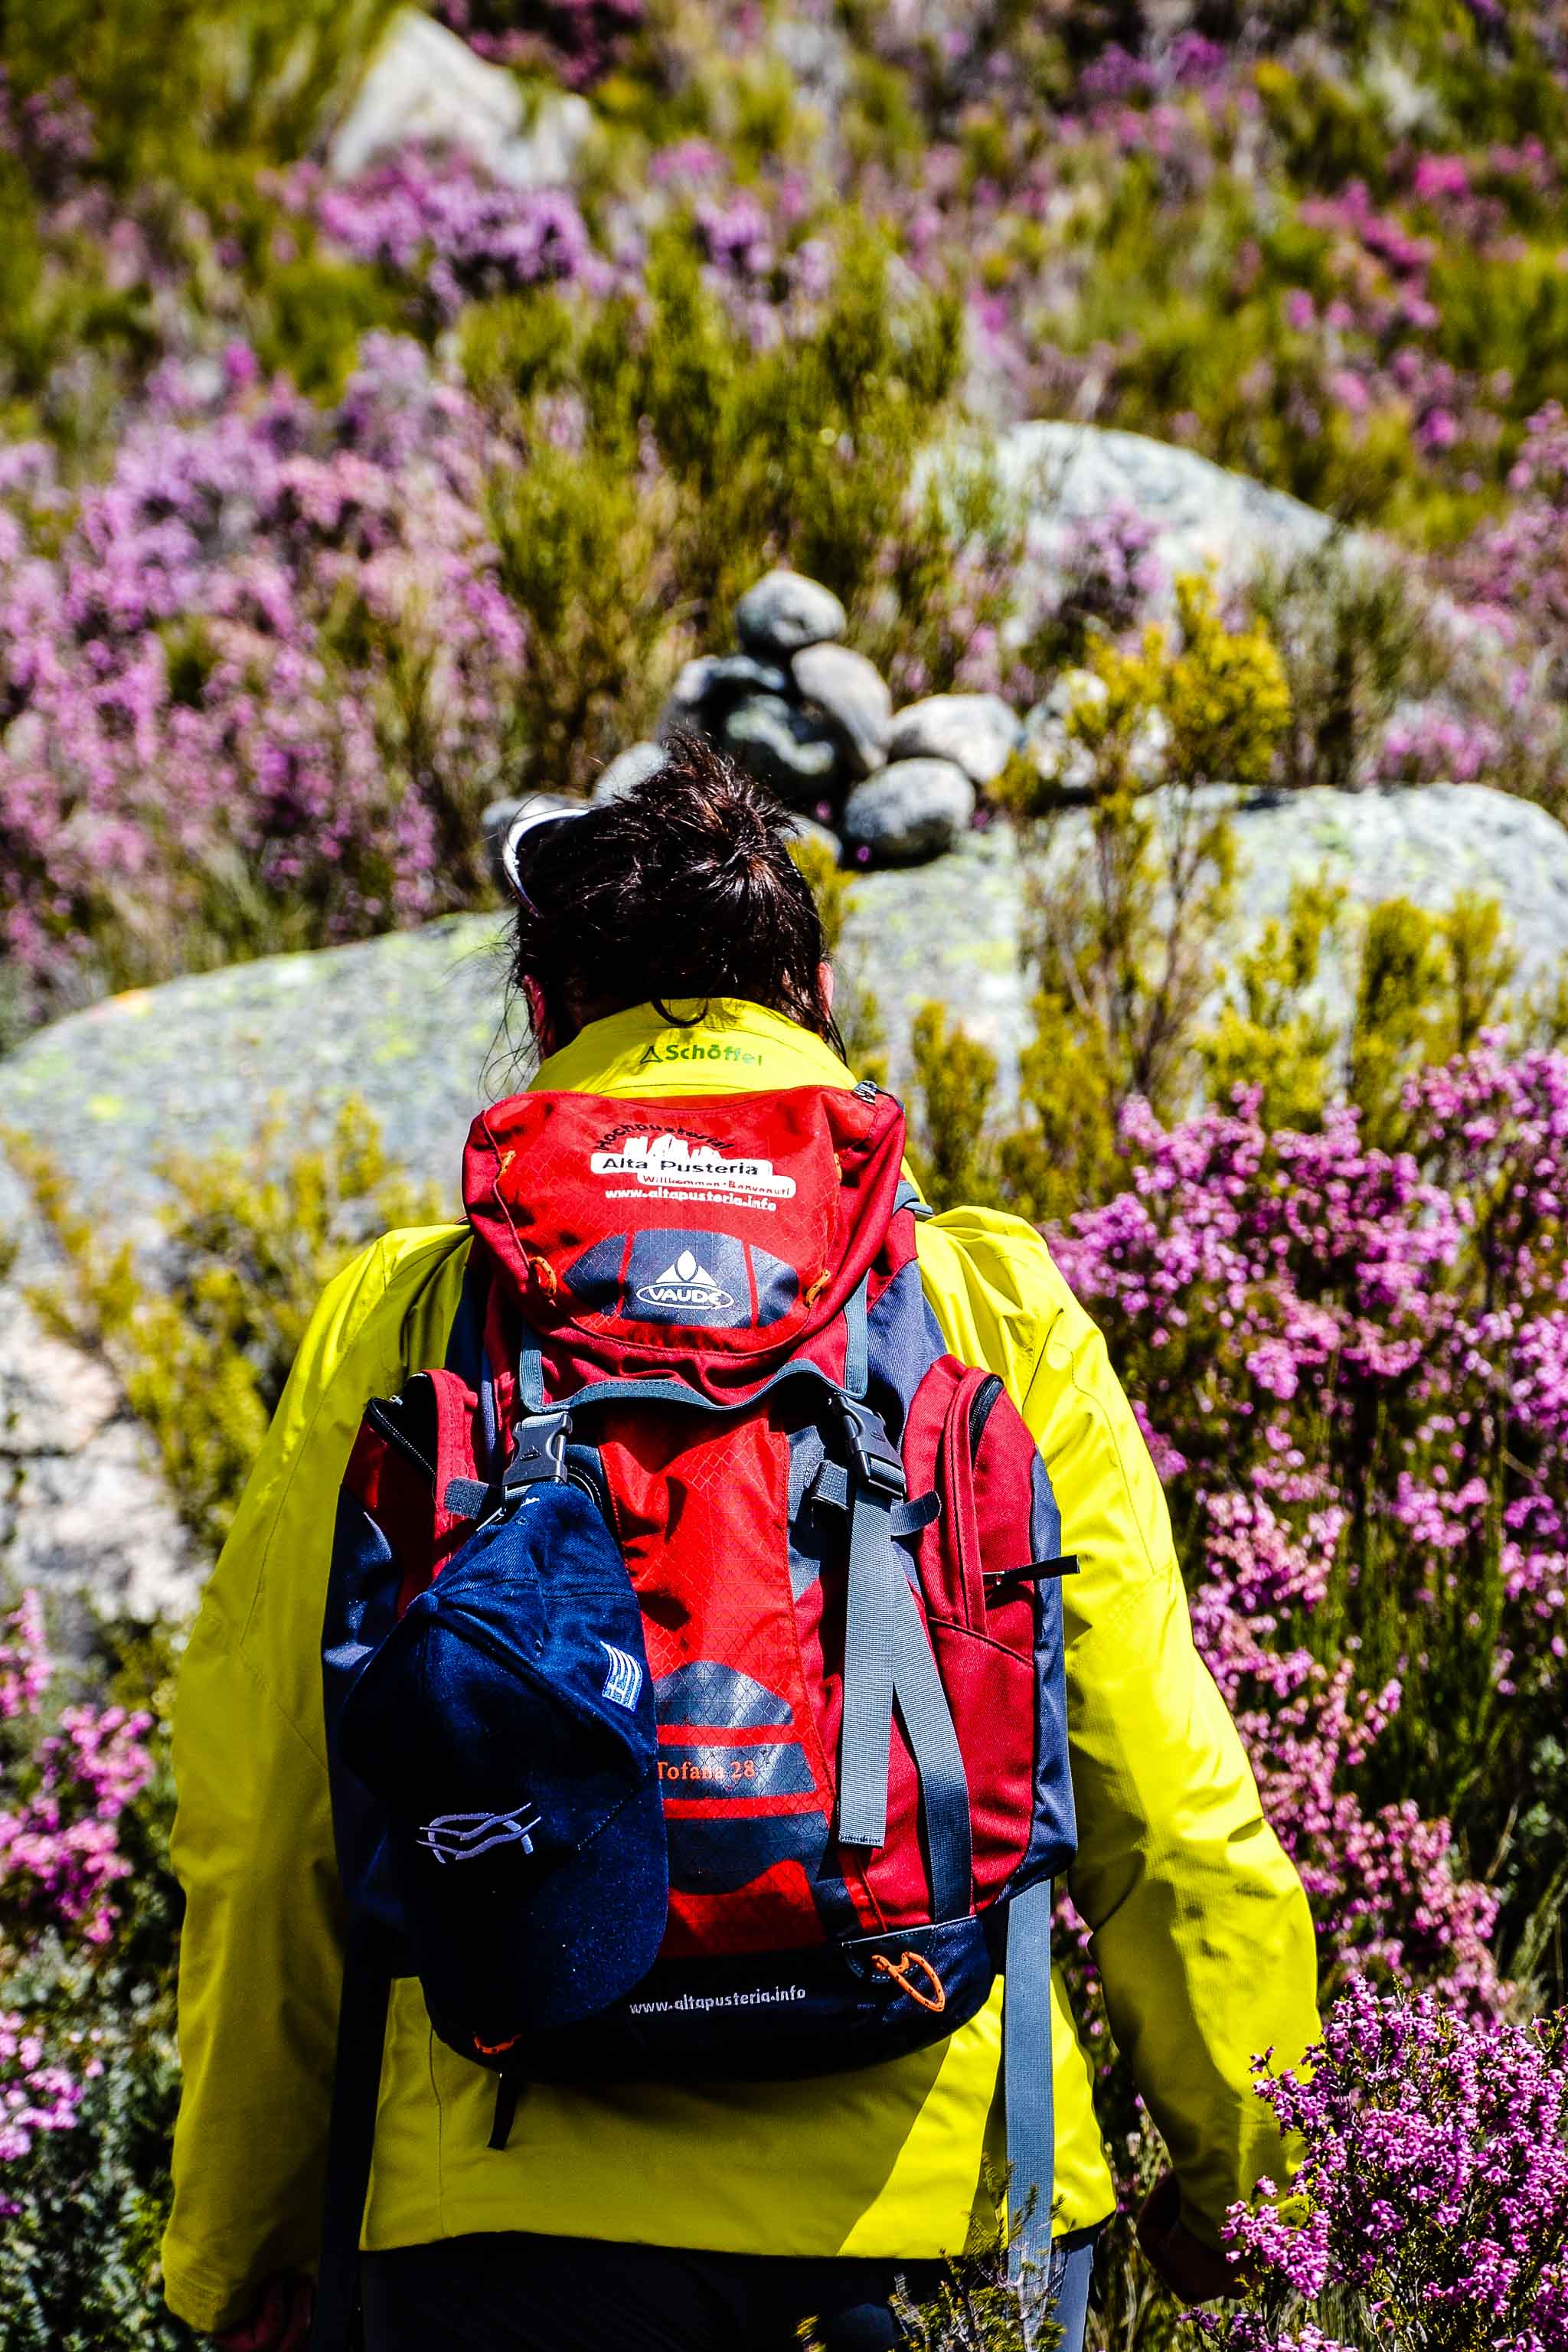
[[713, 1236]]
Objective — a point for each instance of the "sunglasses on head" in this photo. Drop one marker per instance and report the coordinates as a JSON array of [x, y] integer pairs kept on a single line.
[[525, 836]]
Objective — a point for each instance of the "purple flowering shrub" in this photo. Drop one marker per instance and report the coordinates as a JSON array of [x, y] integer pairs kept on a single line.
[[59, 1852], [87, 1930], [450, 233], [256, 684], [1349, 1361], [68, 1779], [578, 40], [1431, 2206]]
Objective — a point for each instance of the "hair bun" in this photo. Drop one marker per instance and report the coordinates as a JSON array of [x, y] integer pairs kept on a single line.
[[682, 888]]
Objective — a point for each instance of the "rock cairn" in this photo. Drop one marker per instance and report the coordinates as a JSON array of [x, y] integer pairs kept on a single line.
[[814, 720]]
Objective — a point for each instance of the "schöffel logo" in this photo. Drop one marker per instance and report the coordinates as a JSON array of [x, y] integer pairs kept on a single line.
[[687, 1283], [624, 1681], [463, 1837], [690, 1163]]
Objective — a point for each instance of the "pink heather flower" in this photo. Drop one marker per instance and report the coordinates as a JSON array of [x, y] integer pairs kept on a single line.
[[62, 1791], [1257, 1286], [1432, 2186]]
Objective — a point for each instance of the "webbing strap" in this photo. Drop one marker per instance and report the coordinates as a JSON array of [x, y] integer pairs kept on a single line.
[[1030, 2102], [356, 2085], [886, 1657], [829, 1483], [505, 2111], [652, 1390], [857, 1342], [869, 1624]]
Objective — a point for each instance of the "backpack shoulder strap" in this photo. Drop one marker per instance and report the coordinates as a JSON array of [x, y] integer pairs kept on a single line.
[[1029, 2096]]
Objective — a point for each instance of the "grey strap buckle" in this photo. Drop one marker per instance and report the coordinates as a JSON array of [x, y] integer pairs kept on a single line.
[[540, 1455], [539, 1460], [878, 1462]]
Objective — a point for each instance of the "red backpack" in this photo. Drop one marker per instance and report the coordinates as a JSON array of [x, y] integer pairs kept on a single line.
[[704, 1319]]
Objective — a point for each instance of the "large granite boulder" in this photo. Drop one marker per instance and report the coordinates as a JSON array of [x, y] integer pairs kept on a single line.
[[1067, 474], [425, 84], [413, 1022]]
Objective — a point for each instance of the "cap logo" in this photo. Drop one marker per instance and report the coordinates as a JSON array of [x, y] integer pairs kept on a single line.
[[687, 1283], [463, 1837], [624, 1681]]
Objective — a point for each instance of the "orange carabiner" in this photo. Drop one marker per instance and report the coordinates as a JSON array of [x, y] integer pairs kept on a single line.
[[899, 1971]]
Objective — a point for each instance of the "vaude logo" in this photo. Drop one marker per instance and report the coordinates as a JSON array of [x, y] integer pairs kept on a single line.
[[677, 1161], [685, 1284], [463, 1837]]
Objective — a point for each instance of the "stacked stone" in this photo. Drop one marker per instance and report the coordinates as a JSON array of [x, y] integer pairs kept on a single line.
[[814, 721]]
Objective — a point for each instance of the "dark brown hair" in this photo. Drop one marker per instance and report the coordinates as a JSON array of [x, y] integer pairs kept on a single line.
[[683, 888]]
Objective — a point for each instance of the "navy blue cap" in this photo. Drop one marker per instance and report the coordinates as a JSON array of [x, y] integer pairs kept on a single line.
[[507, 1725]]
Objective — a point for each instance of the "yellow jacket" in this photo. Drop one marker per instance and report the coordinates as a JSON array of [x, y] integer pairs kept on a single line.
[[1200, 1926]]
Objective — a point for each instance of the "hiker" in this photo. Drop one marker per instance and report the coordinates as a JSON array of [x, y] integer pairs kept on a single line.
[[670, 957]]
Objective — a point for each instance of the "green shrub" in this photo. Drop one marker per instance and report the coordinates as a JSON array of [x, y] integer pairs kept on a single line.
[[176, 86], [950, 1148], [855, 1007], [692, 462], [1127, 915], [203, 1350], [1353, 640], [1423, 987]]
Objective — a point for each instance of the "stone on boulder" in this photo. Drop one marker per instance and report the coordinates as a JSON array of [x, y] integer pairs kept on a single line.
[[707, 686], [632, 766], [979, 732], [809, 828], [853, 696], [796, 756], [423, 83], [910, 811], [786, 611]]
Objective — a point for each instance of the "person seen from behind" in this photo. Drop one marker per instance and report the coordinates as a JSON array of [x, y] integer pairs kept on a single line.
[[670, 955]]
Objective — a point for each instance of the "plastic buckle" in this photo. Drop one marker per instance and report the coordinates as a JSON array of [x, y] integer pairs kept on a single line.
[[877, 1460], [541, 1456]]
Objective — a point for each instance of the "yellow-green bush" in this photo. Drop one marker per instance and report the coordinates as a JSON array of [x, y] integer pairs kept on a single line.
[[1125, 925], [694, 461], [203, 1345]]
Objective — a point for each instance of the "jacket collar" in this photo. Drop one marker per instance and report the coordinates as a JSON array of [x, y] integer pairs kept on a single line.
[[732, 1046]]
